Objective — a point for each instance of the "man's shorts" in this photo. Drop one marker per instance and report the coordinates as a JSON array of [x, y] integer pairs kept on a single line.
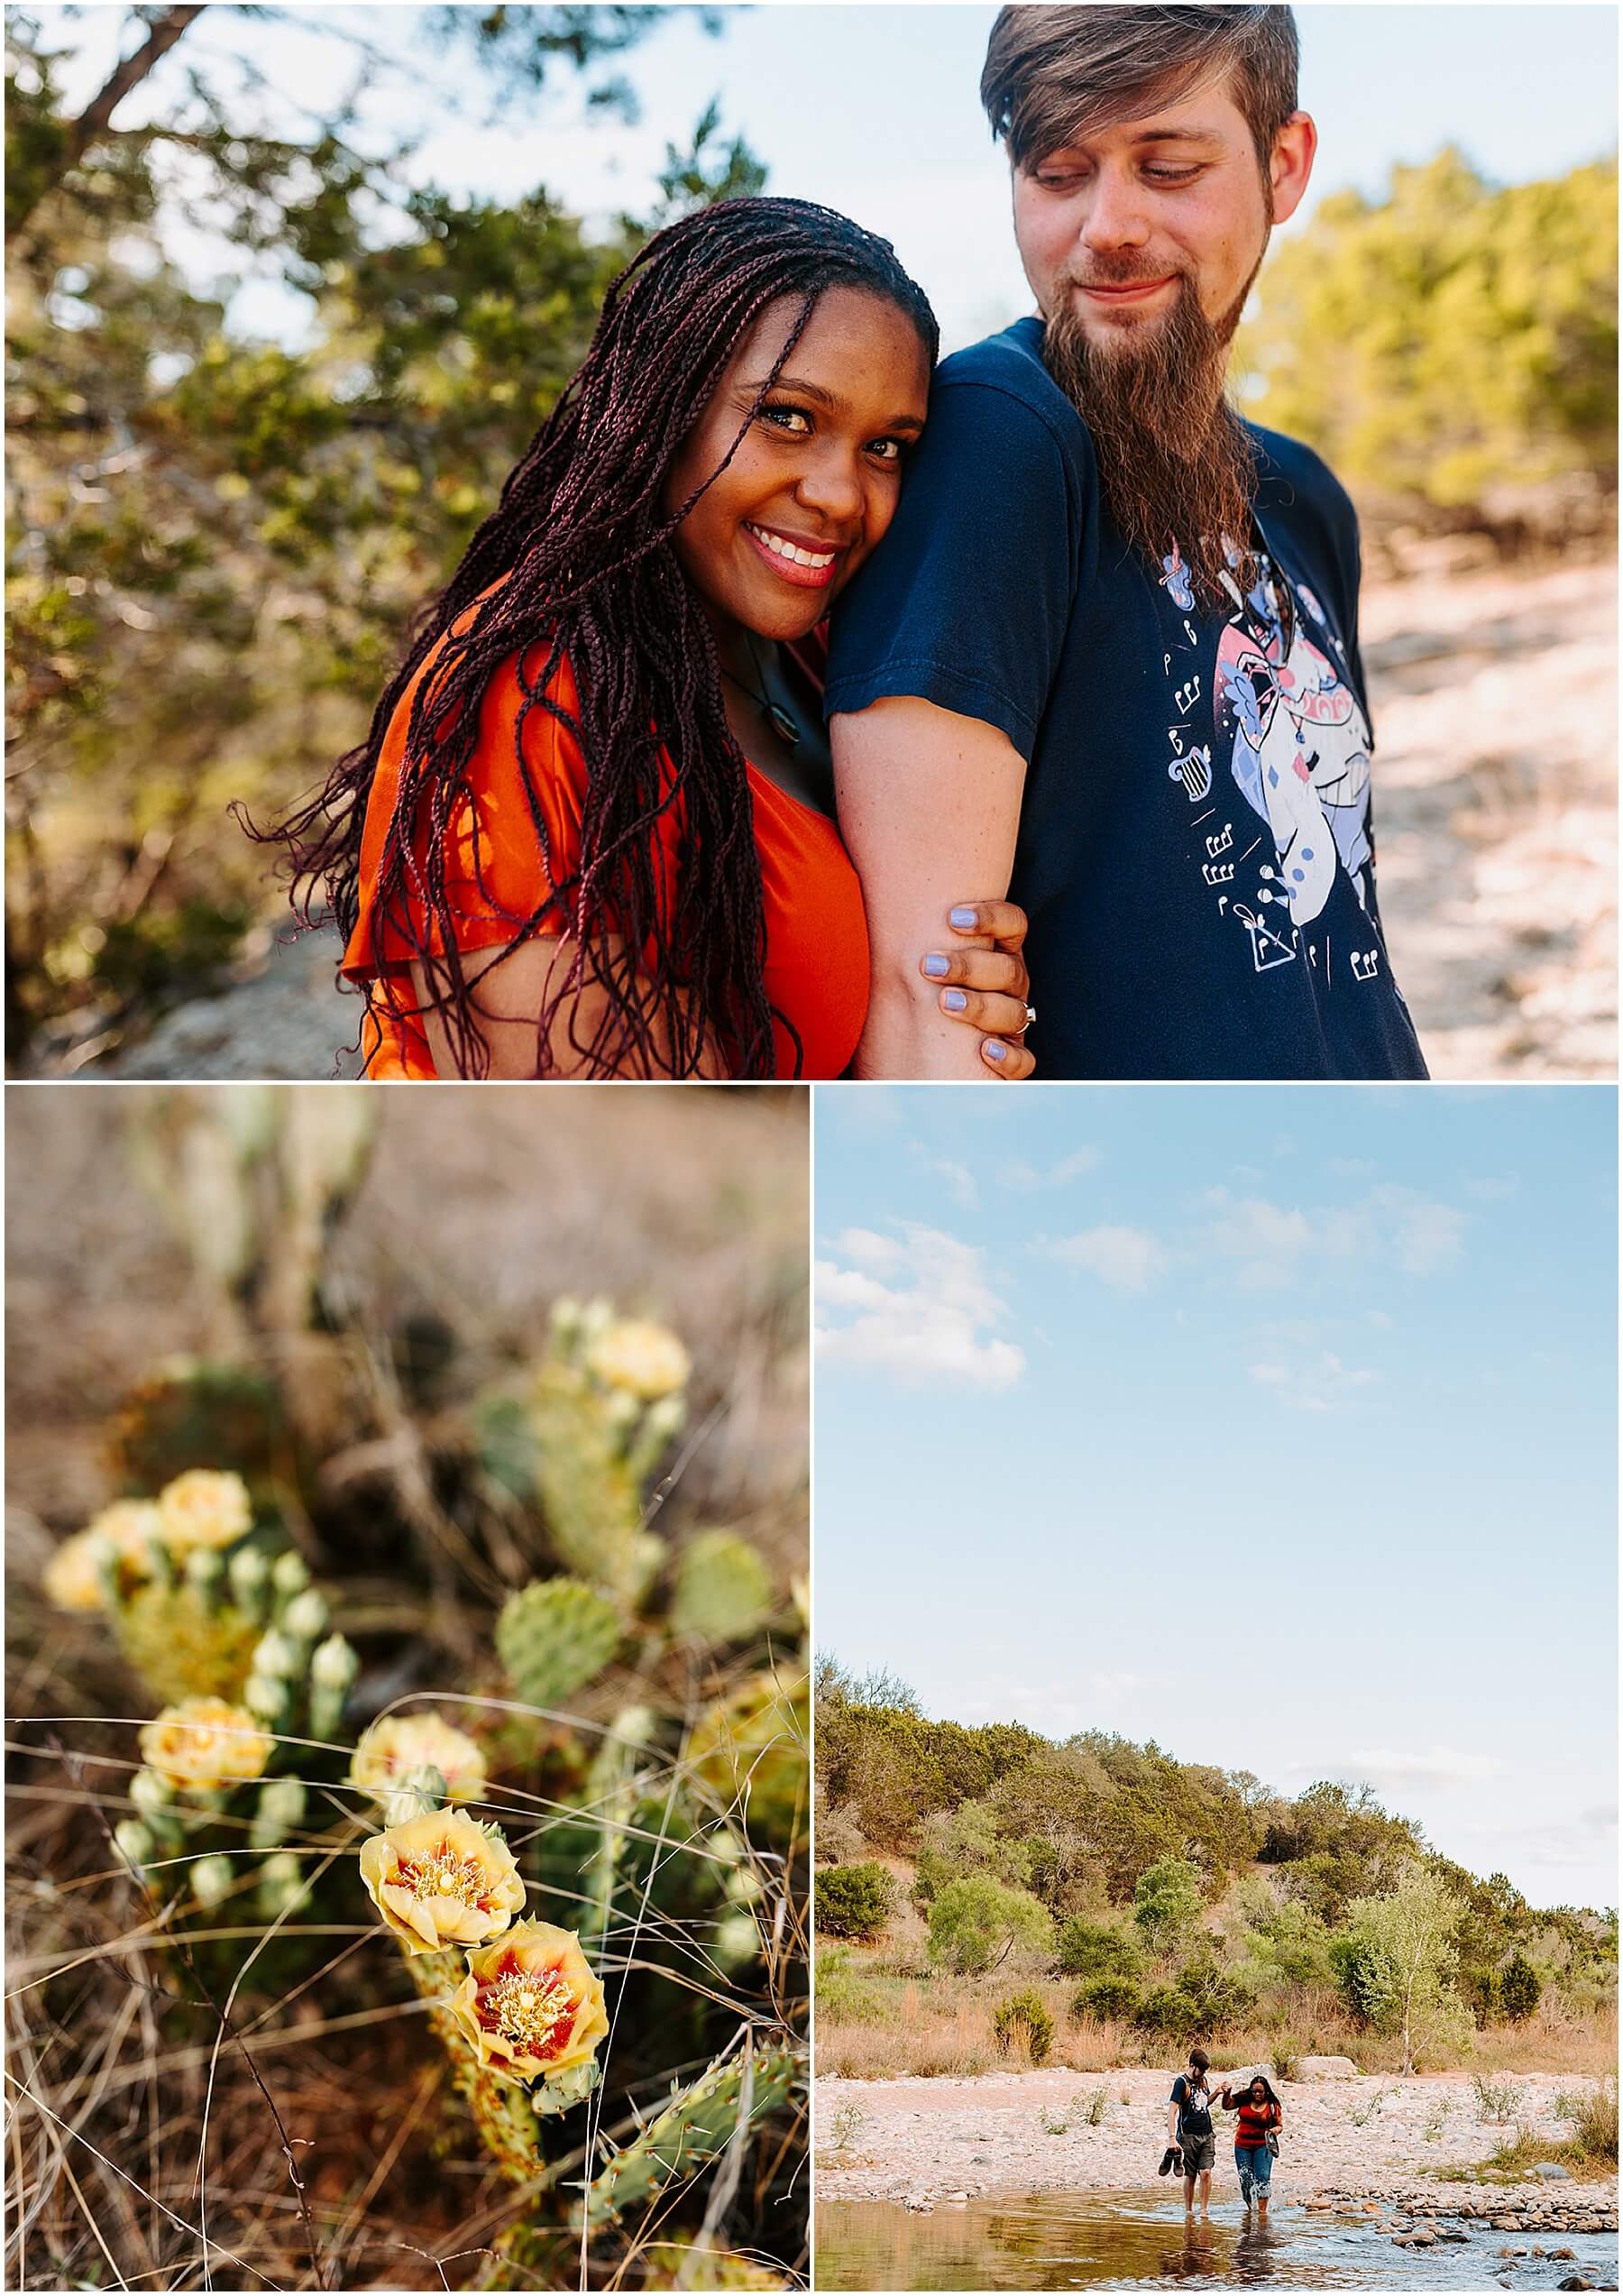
[[1199, 2152]]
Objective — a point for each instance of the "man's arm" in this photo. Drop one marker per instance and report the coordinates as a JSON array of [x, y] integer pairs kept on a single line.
[[929, 807]]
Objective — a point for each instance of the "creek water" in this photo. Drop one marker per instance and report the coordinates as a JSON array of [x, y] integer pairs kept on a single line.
[[1125, 2239]]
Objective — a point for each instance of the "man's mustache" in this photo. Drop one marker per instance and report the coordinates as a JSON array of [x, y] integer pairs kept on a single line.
[[1121, 270]]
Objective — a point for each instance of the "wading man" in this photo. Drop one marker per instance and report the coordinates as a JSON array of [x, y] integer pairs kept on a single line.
[[1190, 2128], [1108, 655]]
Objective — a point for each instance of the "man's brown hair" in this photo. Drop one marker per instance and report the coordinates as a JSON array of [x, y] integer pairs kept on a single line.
[[1055, 74]]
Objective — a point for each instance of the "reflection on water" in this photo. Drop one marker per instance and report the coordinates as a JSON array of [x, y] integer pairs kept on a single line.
[[1123, 2239]]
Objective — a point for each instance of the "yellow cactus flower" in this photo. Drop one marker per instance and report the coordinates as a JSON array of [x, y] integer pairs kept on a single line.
[[644, 1359], [402, 1742], [203, 1743], [440, 1879], [204, 1507], [70, 1578], [530, 2004]]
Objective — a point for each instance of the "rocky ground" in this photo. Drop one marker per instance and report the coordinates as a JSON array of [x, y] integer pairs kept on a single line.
[[1494, 696], [1366, 2137]]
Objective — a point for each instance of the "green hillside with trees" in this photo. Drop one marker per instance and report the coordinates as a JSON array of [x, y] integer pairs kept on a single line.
[[1452, 349], [1148, 1901]]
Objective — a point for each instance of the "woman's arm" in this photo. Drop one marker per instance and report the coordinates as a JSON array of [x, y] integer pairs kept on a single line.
[[509, 989], [929, 805]]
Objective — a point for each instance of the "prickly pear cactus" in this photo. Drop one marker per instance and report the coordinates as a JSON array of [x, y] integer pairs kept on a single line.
[[693, 2129], [749, 1748], [723, 1589], [553, 1636], [590, 1496], [182, 1646], [199, 1414]]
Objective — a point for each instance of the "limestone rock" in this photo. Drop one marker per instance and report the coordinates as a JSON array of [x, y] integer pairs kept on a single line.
[[1326, 2069]]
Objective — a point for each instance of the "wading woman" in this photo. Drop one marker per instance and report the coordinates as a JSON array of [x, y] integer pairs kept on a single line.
[[592, 829], [1258, 2122]]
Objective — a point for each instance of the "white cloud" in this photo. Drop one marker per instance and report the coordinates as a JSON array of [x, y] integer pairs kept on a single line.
[[1316, 1383], [1491, 1191], [1020, 1174], [1129, 1259], [1399, 1771], [959, 1181], [1269, 1240], [921, 1310]]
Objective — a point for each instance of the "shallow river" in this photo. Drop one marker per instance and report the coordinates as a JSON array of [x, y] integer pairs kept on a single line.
[[1125, 2239]]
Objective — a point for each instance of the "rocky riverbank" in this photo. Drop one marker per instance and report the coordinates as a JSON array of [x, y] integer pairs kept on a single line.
[[1372, 2141]]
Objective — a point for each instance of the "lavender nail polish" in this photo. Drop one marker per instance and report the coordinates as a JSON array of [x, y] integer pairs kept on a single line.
[[964, 919], [995, 1049], [954, 999], [935, 966]]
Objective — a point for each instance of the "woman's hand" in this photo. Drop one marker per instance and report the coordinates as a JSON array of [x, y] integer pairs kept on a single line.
[[983, 981]]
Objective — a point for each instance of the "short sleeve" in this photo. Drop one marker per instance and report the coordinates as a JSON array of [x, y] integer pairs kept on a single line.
[[966, 602], [509, 837]]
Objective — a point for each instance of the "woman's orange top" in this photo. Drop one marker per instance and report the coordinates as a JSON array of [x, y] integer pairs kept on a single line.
[[496, 879]]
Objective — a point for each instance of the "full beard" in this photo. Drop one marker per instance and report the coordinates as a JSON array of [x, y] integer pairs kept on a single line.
[[1178, 471]]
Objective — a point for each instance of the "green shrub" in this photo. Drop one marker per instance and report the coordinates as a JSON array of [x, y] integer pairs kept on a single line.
[[1204, 1999], [1166, 1901], [1591, 2115], [1166, 2014], [1095, 1948], [1104, 1997], [1519, 1989], [844, 1992], [1021, 2025], [854, 1901], [976, 1922]]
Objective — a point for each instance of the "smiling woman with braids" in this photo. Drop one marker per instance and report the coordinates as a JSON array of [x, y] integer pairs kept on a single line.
[[592, 830]]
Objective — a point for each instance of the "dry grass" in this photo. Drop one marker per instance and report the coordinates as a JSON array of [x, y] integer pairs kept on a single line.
[[882, 2012], [164, 2135]]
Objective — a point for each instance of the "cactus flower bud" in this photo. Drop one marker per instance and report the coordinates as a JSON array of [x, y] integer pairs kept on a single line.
[[305, 1616], [565, 1320], [736, 1941], [282, 1884], [417, 1794], [250, 1575], [277, 1654], [290, 1575], [266, 1698], [151, 1793], [334, 1667], [134, 1842], [281, 1808], [205, 1574], [213, 1879]]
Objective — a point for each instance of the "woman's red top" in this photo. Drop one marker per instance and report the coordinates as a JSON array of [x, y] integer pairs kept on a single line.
[[1253, 2125], [817, 948]]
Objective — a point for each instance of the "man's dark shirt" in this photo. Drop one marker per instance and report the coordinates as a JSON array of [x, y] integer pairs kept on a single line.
[[1194, 849]]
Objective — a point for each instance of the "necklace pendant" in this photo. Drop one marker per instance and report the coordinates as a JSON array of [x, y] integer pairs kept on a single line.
[[784, 726]]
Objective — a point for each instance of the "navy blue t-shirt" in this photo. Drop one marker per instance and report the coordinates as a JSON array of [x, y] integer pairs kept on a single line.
[[1194, 850]]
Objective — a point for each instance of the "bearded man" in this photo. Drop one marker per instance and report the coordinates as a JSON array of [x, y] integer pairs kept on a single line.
[[1108, 655]]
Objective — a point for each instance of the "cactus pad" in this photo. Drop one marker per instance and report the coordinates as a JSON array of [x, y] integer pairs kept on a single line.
[[723, 1591], [693, 2129], [749, 1748], [553, 1636]]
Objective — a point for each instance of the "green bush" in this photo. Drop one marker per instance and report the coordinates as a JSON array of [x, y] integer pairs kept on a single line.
[[1519, 1988], [843, 1992], [1104, 1997], [976, 1922], [1095, 1948], [1204, 1999], [1021, 2023], [854, 1901], [1166, 1902]]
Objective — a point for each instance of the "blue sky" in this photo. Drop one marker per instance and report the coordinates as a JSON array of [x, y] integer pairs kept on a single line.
[[874, 110], [1123, 1393]]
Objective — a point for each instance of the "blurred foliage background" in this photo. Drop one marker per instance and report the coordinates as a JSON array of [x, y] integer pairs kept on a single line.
[[215, 542]]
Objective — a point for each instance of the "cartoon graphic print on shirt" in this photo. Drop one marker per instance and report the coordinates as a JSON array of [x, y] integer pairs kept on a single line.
[[1292, 743]]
